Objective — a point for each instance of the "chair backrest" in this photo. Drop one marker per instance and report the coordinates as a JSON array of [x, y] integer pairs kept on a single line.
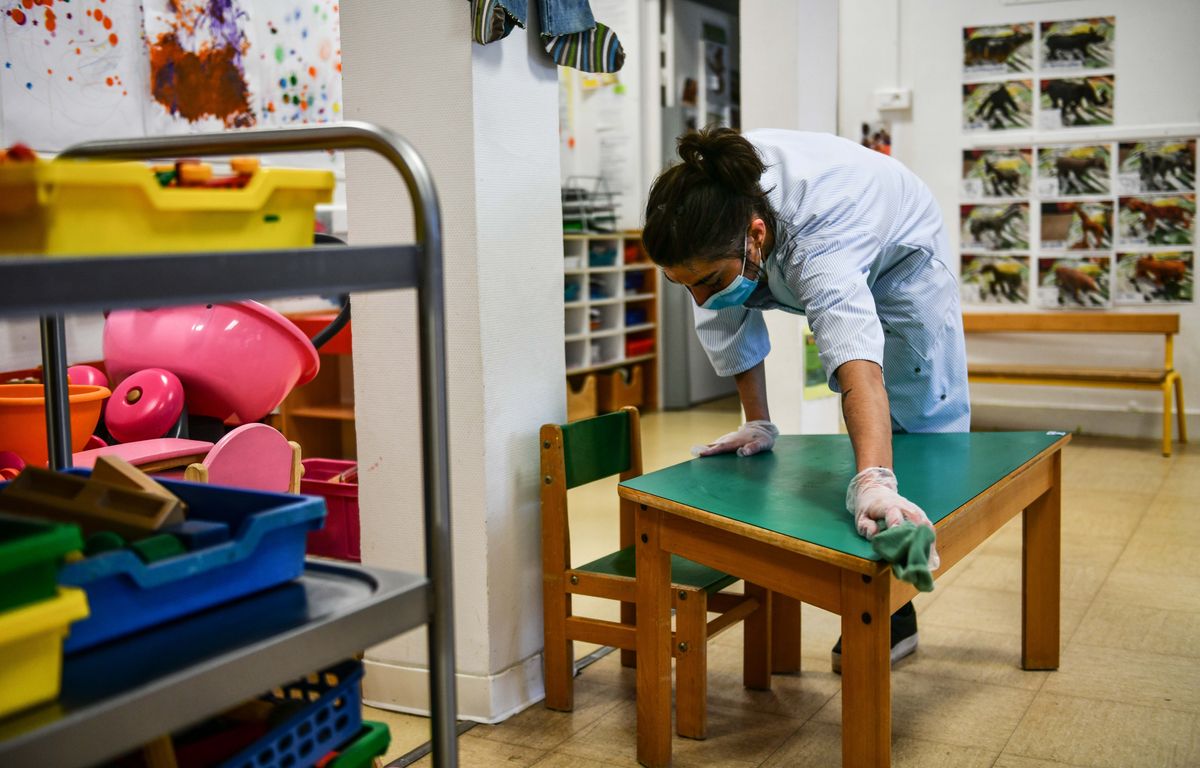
[[253, 456], [596, 447], [578, 453]]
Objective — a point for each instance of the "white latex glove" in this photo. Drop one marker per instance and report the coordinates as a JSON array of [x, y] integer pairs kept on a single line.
[[754, 437], [872, 496]]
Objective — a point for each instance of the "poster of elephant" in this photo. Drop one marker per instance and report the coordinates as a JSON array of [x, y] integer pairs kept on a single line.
[[995, 227], [1075, 283], [1166, 277], [1156, 220], [1072, 102], [1078, 43], [1077, 226], [989, 279], [995, 173], [997, 106], [1072, 170], [1159, 165], [998, 50]]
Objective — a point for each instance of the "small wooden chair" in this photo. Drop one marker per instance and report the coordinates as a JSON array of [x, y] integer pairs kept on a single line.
[[581, 452], [253, 456]]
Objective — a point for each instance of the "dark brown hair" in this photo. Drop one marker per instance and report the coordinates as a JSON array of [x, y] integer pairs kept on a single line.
[[700, 208]]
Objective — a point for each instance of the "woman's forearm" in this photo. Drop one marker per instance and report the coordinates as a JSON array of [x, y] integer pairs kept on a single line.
[[868, 418], [752, 390]]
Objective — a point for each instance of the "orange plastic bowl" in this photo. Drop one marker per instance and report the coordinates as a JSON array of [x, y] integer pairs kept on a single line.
[[23, 418]]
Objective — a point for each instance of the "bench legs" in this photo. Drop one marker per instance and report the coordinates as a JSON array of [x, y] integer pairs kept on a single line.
[[1179, 408]]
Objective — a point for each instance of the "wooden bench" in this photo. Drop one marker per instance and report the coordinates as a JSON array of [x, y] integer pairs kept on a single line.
[[1163, 379]]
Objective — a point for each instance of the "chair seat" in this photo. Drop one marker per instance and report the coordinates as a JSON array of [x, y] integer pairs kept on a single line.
[[683, 572]]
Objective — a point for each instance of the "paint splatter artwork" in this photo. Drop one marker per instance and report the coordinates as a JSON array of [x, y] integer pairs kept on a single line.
[[236, 63], [74, 70], [70, 70]]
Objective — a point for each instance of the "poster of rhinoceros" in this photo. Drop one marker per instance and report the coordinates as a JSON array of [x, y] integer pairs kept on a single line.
[[1075, 283], [998, 49], [1078, 43], [1165, 277]]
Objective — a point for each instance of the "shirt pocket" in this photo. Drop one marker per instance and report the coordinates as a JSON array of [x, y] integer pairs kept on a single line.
[[914, 301]]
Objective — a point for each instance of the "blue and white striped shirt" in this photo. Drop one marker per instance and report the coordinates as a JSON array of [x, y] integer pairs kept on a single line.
[[860, 250]]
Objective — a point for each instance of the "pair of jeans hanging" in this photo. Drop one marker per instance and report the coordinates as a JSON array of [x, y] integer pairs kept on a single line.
[[570, 33]]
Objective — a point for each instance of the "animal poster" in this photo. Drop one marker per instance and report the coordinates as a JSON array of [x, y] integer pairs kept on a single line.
[[990, 173], [1083, 226], [995, 227], [71, 72], [1074, 102], [1075, 283], [997, 106], [1078, 43], [998, 50], [1163, 165], [1157, 220], [1155, 278], [1066, 171], [994, 279]]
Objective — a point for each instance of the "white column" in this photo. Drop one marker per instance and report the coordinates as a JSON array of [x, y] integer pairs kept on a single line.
[[789, 80], [485, 120]]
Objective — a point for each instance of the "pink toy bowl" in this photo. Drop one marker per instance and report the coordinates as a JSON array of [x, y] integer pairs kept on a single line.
[[236, 361], [86, 374], [23, 418], [144, 406]]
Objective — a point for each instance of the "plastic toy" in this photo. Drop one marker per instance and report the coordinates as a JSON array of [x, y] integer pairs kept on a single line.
[[87, 374], [146, 405], [30, 553], [31, 641], [23, 418], [148, 455], [253, 456], [236, 361]]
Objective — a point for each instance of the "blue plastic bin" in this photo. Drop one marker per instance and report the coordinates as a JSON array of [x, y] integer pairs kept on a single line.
[[332, 719], [265, 548]]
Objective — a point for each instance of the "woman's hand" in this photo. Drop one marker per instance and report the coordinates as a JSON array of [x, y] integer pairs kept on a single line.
[[754, 437], [872, 496]]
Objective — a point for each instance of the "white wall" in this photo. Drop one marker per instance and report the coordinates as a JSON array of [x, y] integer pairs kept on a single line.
[[789, 80], [917, 43], [484, 119]]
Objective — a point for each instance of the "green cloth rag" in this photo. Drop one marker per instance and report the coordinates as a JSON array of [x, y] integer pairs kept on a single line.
[[906, 547]]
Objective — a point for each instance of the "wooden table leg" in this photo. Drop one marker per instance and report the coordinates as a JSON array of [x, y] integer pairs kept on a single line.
[[785, 634], [866, 672], [653, 641], [1040, 565], [756, 649]]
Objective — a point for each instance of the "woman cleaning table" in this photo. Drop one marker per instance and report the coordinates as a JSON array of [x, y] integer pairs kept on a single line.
[[818, 225]]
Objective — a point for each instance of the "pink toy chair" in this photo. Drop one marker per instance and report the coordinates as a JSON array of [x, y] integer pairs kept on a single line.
[[253, 456]]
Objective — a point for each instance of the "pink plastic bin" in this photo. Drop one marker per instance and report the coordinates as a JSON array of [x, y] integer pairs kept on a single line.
[[339, 538]]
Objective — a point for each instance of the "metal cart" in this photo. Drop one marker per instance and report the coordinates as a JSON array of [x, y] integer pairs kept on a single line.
[[118, 697]]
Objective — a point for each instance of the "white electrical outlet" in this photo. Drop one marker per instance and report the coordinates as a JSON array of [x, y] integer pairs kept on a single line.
[[893, 98]]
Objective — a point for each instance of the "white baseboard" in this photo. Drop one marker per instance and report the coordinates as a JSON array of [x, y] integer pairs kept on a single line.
[[1109, 421], [482, 699]]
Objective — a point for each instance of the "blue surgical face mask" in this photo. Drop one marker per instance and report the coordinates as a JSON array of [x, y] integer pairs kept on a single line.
[[736, 293]]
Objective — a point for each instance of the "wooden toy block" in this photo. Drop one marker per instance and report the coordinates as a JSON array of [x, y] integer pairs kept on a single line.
[[117, 471], [92, 505]]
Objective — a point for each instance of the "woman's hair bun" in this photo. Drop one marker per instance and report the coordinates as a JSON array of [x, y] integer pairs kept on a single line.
[[724, 156]]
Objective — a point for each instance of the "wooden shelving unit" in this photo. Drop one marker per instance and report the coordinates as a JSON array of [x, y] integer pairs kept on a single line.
[[320, 415], [611, 290]]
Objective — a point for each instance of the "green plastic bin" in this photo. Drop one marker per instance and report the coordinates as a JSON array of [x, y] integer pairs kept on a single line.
[[371, 742], [30, 553]]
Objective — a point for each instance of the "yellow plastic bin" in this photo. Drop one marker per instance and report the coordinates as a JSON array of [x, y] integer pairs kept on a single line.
[[82, 207], [31, 641]]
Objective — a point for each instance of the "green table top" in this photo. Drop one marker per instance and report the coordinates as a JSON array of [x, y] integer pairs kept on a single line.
[[799, 489]]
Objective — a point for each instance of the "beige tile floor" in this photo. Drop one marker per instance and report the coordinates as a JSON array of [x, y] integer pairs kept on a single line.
[[1127, 693]]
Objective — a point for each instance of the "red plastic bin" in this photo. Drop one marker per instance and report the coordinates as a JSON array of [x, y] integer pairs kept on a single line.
[[340, 537]]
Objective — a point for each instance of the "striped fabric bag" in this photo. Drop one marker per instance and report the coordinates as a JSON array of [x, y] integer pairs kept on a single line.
[[593, 50]]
